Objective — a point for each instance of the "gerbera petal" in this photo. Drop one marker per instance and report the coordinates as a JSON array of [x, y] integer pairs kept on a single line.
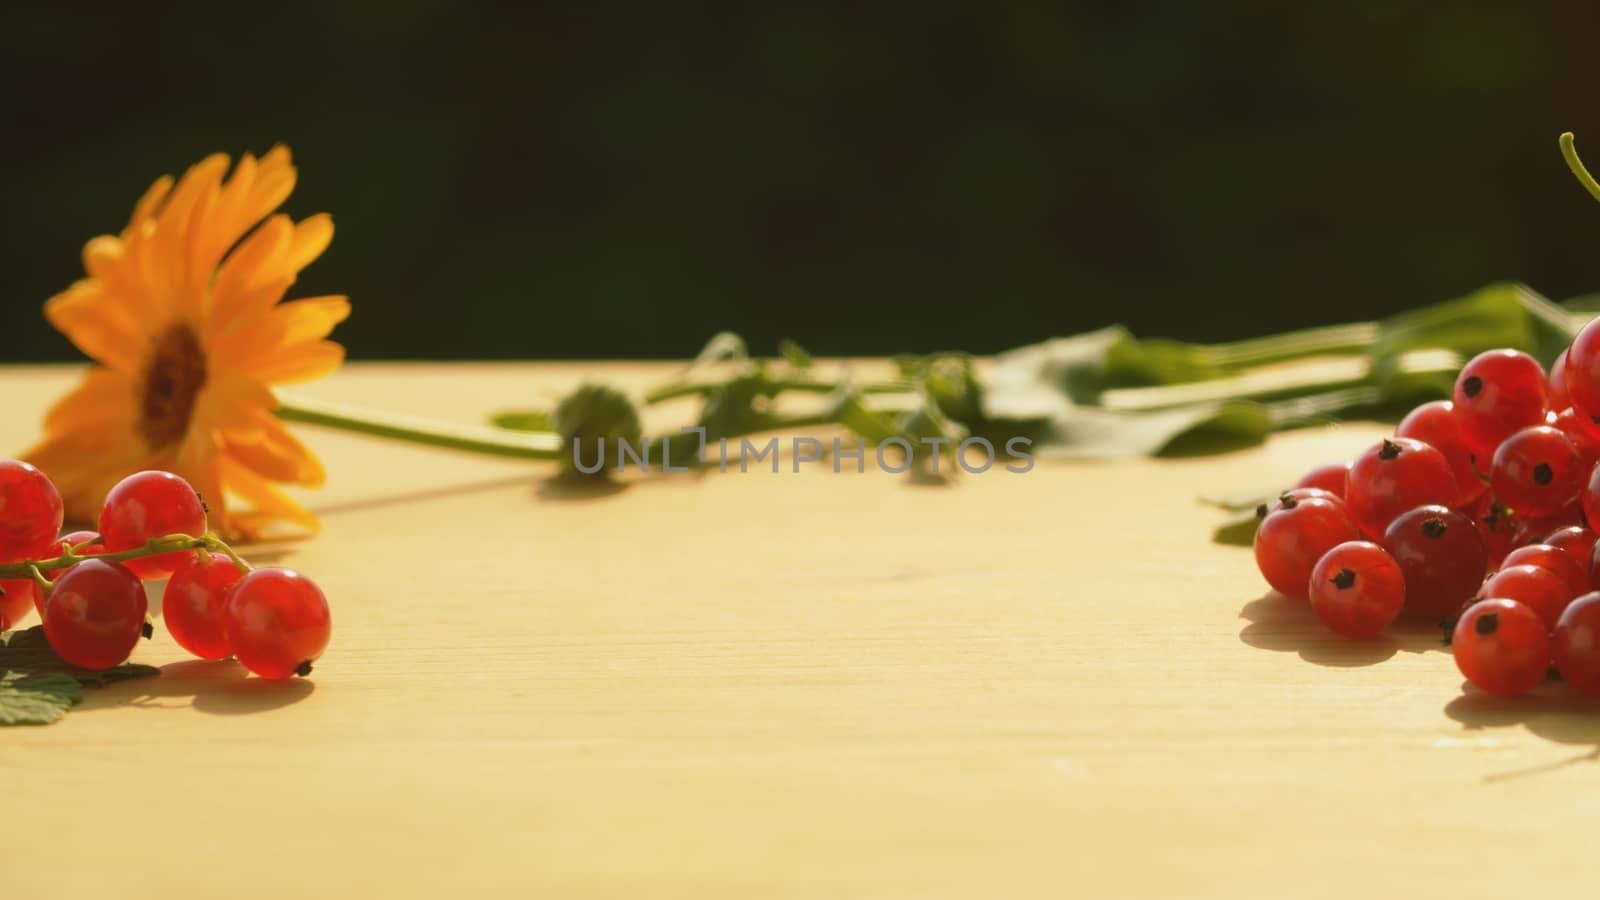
[[274, 182], [242, 271], [202, 178], [150, 203], [309, 319], [270, 503], [106, 260], [238, 333], [249, 195], [102, 256], [227, 404], [277, 455], [84, 464], [103, 401], [311, 236], [197, 461], [294, 322], [296, 363], [238, 296], [229, 221], [101, 329]]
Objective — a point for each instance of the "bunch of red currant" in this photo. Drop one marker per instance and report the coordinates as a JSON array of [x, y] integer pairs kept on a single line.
[[1477, 513], [89, 591]]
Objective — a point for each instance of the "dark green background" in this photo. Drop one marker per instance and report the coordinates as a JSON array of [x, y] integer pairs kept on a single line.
[[616, 181]]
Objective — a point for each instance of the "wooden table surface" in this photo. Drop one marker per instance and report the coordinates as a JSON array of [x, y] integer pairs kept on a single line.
[[813, 685]]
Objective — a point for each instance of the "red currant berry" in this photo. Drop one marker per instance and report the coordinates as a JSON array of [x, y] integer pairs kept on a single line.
[[195, 605], [1330, 478], [1590, 498], [1501, 647], [1496, 395], [95, 614], [1436, 425], [1594, 568], [84, 542], [1583, 367], [1576, 644], [277, 622], [1303, 493], [1499, 527], [148, 505], [1556, 383], [1442, 556], [1357, 589], [1577, 540], [1393, 477], [1572, 573], [1538, 531], [1541, 590], [17, 596], [1537, 471], [30, 511], [1581, 430]]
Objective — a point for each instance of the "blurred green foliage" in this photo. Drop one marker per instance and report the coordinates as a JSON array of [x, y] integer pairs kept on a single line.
[[619, 180]]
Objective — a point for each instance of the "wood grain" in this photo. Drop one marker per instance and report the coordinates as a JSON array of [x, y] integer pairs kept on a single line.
[[813, 685]]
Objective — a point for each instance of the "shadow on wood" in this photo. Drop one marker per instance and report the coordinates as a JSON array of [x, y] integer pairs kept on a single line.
[[1279, 623], [405, 498], [1552, 711], [220, 688], [568, 487]]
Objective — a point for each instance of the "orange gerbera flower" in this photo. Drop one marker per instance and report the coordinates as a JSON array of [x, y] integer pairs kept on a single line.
[[182, 314]]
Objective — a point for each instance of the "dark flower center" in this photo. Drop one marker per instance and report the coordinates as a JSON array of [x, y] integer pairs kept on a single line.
[[172, 380]]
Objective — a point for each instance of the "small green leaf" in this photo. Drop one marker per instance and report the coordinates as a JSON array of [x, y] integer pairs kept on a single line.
[[37, 698], [724, 346], [1582, 308], [525, 420], [1025, 383], [37, 680], [1135, 363], [1240, 501], [873, 426], [1239, 530], [794, 354], [950, 382]]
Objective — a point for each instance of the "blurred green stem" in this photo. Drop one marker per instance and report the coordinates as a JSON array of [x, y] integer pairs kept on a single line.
[[1332, 339], [471, 438], [677, 389], [1569, 152]]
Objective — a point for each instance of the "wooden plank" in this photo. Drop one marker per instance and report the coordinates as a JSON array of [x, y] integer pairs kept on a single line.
[[810, 685]]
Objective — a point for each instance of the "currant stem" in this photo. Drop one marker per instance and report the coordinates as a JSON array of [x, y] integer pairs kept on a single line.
[[45, 584], [1569, 152], [172, 543], [244, 567]]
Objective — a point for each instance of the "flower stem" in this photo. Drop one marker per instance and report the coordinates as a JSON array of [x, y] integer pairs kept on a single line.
[[1569, 151], [172, 543], [801, 385], [470, 438], [1357, 337]]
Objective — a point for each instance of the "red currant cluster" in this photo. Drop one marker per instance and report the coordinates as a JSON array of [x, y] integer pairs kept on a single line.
[[89, 591], [1476, 513]]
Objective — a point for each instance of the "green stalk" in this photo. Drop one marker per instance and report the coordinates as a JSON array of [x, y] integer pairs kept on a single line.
[[678, 389], [1356, 337], [470, 438], [1569, 152]]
